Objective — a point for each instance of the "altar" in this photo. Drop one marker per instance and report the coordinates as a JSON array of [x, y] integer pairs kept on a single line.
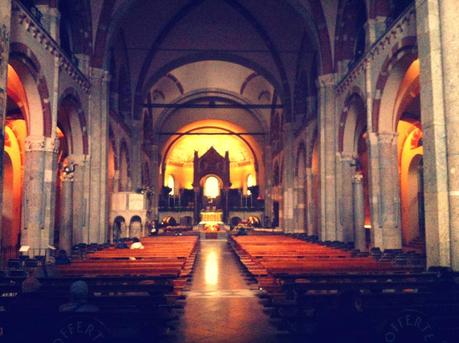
[[211, 217]]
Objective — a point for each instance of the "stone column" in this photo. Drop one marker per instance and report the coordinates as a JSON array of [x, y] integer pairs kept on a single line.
[[288, 221], [437, 31], [311, 208], [299, 205], [98, 135], [33, 232], [268, 183], [79, 198], [327, 118], [197, 201], [5, 23], [347, 217], [49, 188], [156, 188], [389, 219], [66, 211], [135, 154], [358, 212]]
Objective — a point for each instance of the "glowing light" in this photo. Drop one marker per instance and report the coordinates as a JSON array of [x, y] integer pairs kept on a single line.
[[171, 184], [211, 187], [250, 183], [211, 270]]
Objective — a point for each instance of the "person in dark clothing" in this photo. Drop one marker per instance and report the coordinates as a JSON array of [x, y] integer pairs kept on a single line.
[[62, 258], [345, 323], [79, 294]]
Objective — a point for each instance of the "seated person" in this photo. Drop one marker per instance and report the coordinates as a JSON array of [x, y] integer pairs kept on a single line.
[[62, 258], [121, 245], [136, 244], [79, 294]]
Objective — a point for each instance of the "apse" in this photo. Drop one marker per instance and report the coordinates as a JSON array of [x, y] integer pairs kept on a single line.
[[178, 162]]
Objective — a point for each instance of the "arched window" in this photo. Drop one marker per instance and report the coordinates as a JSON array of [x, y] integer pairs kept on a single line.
[[211, 187], [250, 183], [171, 184]]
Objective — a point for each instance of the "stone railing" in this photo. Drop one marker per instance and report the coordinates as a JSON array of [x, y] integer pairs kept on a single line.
[[31, 25], [392, 33]]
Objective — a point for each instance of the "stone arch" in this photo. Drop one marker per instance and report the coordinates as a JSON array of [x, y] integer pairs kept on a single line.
[[26, 65], [350, 30], [352, 122], [70, 111], [387, 85]]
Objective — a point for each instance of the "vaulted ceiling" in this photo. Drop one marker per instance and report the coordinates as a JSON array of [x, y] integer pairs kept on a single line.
[[271, 38]]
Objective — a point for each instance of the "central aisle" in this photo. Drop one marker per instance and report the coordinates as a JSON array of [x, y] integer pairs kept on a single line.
[[220, 306]]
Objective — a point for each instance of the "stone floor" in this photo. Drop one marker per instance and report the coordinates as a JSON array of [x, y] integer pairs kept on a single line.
[[220, 306]]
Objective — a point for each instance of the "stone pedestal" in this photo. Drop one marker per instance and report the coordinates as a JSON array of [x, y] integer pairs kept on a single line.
[[359, 212]]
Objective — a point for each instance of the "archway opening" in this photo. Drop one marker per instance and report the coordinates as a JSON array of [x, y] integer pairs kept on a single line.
[[410, 158], [16, 131]]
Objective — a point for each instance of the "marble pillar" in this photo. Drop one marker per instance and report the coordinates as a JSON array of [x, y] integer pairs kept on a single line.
[[345, 200], [327, 157], [438, 47], [66, 212], [98, 133], [389, 219], [5, 23], [358, 212]]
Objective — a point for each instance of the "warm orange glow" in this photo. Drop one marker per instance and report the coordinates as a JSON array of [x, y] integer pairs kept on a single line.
[[211, 187], [59, 133], [410, 153], [409, 89], [13, 175], [16, 91], [211, 271], [180, 155]]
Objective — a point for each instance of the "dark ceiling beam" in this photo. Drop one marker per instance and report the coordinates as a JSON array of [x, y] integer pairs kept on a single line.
[[213, 106]]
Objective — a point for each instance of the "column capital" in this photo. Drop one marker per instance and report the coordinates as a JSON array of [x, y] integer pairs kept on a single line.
[[78, 159], [357, 178], [387, 137], [41, 143], [326, 80], [346, 157]]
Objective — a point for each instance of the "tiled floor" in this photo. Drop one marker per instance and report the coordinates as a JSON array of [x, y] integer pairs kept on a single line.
[[220, 306]]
